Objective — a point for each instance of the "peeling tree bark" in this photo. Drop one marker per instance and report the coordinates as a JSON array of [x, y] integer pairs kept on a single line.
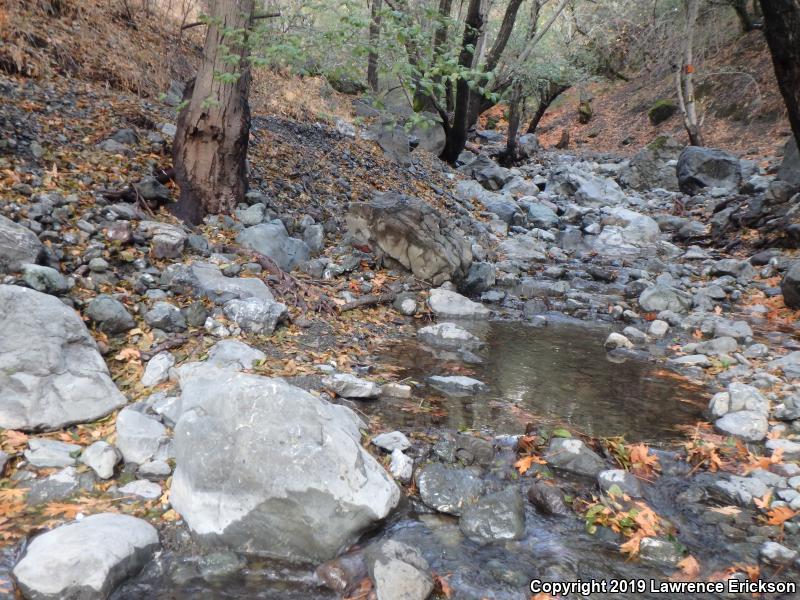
[[210, 149], [782, 30]]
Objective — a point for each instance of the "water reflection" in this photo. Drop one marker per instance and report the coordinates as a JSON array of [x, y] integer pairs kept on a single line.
[[559, 373]]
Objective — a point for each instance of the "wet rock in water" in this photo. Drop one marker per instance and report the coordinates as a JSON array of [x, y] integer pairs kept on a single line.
[[142, 488], [101, 457], [573, 456], [588, 189], [451, 305], [166, 317], [548, 499], [344, 573], [52, 374], [272, 240], [391, 441], [412, 233], [256, 315], [746, 424], [626, 482], [45, 279], [790, 286], [457, 384], [738, 490], [659, 551], [471, 449], [350, 386], [234, 354], [700, 168], [317, 493], [777, 554], [660, 297], [401, 466], [109, 314], [398, 572], [494, 517], [157, 369], [447, 489], [448, 335], [617, 340], [87, 558], [43, 453], [139, 436], [18, 246]]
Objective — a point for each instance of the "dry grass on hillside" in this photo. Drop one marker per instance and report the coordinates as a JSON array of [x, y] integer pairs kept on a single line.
[[743, 109]]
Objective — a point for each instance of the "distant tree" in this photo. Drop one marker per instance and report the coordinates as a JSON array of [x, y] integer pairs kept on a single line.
[[210, 149], [782, 30]]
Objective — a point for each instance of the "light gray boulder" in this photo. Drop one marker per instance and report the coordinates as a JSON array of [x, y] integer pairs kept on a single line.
[[272, 240], [86, 559], [747, 424], [206, 279], [101, 457], [451, 305], [256, 315], [18, 246], [43, 453], [573, 456], [51, 374], [399, 572], [45, 279], [700, 168], [266, 468], [139, 437], [350, 386], [448, 335], [585, 188]]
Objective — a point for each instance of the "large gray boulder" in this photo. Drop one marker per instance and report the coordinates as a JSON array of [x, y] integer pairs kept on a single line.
[[109, 314], [587, 189], [399, 572], [654, 166], [430, 134], [86, 559], [51, 374], [266, 468], [700, 168], [412, 233], [206, 279], [790, 286], [790, 167], [272, 240], [18, 246]]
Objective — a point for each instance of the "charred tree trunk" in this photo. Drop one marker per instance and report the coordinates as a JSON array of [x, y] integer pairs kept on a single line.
[[210, 149], [374, 36], [745, 18], [511, 153], [457, 135], [546, 98], [782, 30]]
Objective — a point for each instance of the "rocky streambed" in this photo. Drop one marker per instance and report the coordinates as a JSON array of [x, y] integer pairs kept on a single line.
[[557, 371]]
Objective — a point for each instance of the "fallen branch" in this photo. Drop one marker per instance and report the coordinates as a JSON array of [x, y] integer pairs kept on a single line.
[[369, 300]]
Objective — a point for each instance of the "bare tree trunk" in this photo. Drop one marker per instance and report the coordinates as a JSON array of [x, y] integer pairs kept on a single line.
[[782, 30], [210, 149], [374, 37], [457, 135], [685, 78], [546, 98], [511, 153]]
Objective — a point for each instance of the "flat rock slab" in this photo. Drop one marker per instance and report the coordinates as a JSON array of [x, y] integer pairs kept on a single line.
[[51, 374], [86, 559], [451, 305], [350, 386]]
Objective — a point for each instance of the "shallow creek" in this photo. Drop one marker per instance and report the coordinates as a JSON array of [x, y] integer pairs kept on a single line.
[[558, 375]]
